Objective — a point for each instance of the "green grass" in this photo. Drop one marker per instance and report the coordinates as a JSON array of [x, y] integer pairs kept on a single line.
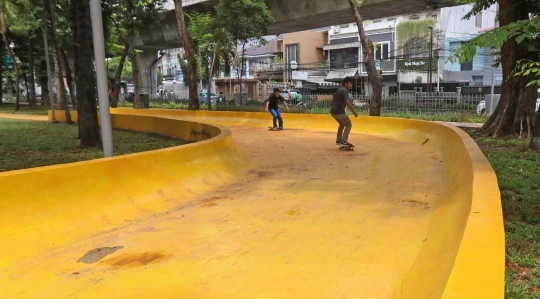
[[26, 144], [518, 172], [24, 109]]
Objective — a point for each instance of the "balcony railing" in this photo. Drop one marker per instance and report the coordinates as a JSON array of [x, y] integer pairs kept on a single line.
[[270, 67]]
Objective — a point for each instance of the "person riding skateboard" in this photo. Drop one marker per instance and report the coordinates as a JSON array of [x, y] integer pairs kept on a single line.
[[340, 101], [272, 106]]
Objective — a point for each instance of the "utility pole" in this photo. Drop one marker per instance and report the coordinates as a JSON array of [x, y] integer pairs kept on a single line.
[[430, 59]]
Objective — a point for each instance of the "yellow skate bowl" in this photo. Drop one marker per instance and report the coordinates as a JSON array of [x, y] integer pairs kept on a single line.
[[243, 212]]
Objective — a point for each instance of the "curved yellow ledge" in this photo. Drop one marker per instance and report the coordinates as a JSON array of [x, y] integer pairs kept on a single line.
[[413, 212]]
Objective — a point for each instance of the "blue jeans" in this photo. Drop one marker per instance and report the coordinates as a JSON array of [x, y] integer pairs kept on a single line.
[[276, 115]]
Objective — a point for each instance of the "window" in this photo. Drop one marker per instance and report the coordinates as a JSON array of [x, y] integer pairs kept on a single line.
[[414, 48], [391, 19], [432, 15], [345, 65], [344, 26], [377, 21], [478, 80], [414, 18], [467, 66], [478, 20], [344, 54], [382, 51]]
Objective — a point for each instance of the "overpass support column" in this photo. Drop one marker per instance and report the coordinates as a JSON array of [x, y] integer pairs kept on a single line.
[[148, 72]]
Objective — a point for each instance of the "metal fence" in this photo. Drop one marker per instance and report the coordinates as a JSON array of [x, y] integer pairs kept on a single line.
[[409, 102]]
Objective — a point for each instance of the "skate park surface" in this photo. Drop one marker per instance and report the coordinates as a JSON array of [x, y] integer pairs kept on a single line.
[[243, 212]]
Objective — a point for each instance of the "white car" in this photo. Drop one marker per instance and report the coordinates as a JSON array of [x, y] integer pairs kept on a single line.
[[481, 108]]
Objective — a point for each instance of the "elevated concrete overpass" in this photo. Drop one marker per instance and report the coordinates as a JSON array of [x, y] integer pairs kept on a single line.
[[292, 16]]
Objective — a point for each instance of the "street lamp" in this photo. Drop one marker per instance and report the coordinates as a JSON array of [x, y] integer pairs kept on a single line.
[[49, 79], [430, 58]]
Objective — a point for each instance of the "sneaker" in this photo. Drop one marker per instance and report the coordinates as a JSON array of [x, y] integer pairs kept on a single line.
[[338, 142], [346, 144], [280, 129]]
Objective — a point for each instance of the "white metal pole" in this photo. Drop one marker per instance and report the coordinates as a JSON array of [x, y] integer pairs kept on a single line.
[[101, 76], [49, 82]]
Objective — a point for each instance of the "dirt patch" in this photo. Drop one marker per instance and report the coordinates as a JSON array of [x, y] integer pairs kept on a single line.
[[95, 255], [259, 174], [209, 202], [293, 212], [416, 204], [131, 260]]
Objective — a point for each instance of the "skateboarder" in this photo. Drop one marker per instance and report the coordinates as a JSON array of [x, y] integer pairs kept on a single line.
[[339, 102], [272, 106]]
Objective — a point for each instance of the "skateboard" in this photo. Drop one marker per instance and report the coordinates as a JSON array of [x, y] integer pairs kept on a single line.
[[346, 148], [274, 129]]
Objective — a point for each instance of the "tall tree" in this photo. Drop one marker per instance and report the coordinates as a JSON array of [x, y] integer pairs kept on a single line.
[[59, 64], [85, 80], [245, 20], [118, 77], [32, 100], [140, 15], [132, 56], [222, 51], [10, 52], [515, 111], [191, 55], [374, 75]]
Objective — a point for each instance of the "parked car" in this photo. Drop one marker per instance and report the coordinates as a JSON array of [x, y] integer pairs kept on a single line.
[[481, 108], [203, 98]]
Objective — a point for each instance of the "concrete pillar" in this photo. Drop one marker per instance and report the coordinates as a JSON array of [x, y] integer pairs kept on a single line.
[[458, 94], [147, 72]]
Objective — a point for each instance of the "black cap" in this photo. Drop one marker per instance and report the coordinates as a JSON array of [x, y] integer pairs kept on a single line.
[[276, 89]]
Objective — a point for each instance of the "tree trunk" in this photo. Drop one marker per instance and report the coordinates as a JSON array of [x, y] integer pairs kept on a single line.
[[44, 82], [32, 76], [517, 101], [118, 77], [61, 95], [536, 132], [1, 90], [86, 84], [69, 78], [27, 90], [189, 47], [374, 75], [240, 73], [208, 97], [14, 61], [58, 82], [133, 57], [73, 27]]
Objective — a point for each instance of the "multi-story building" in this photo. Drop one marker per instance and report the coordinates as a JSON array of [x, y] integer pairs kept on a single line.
[[402, 49], [169, 65], [345, 56], [456, 31]]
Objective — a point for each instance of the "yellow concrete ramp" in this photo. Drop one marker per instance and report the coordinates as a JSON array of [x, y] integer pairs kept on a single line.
[[413, 212]]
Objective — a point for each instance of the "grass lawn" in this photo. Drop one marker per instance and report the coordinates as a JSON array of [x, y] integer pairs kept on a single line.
[[518, 172], [26, 144], [24, 109]]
